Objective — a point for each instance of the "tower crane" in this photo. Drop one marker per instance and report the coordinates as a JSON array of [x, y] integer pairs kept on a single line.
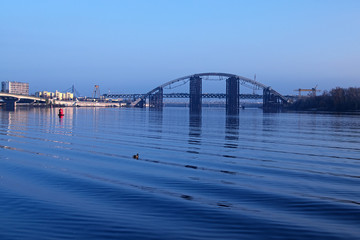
[[96, 92], [312, 91]]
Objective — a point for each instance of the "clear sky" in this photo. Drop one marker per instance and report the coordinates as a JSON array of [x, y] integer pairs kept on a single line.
[[135, 45]]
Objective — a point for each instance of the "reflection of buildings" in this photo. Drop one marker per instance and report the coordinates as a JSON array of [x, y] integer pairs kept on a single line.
[[15, 87], [51, 123], [14, 123], [57, 95]]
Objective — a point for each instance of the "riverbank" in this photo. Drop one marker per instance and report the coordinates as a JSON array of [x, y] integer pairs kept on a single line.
[[324, 112], [89, 104], [337, 100], [58, 103]]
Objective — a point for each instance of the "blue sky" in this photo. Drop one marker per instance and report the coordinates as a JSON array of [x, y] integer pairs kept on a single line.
[[134, 46]]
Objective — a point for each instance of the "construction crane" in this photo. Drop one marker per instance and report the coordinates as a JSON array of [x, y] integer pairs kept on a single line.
[[96, 92], [312, 91]]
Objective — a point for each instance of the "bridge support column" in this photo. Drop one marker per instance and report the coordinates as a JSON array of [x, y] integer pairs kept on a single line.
[[156, 99], [10, 103], [232, 96], [195, 94], [271, 102]]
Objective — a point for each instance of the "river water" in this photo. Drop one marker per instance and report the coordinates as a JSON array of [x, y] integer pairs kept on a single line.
[[209, 176]]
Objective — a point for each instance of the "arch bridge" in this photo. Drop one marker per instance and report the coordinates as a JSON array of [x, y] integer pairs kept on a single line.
[[272, 100]]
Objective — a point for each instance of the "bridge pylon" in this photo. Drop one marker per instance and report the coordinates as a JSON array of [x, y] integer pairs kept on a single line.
[[271, 101], [156, 99], [195, 94], [232, 96], [10, 103]]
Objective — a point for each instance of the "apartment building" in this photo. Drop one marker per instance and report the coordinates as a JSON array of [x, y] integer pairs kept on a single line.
[[15, 87], [55, 95]]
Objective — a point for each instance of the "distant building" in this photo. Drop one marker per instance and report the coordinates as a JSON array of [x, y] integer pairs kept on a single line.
[[57, 95], [15, 87], [45, 94]]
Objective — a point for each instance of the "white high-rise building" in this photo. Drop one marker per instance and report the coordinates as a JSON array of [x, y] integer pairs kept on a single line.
[[15, 87]]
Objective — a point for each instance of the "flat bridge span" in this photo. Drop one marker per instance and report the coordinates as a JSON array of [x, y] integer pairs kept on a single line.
[[11, 99]]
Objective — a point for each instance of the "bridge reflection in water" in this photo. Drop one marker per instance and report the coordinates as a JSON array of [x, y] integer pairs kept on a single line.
[[272, 100]]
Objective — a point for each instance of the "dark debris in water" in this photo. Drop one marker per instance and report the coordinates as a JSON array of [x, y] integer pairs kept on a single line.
[[194, 152], [220, 204], [191, 166], [187, 197], [228, 172]]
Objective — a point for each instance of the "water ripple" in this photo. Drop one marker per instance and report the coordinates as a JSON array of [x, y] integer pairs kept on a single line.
[[256, 176]]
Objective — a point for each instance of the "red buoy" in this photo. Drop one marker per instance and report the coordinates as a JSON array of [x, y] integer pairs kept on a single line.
[[61, 112]]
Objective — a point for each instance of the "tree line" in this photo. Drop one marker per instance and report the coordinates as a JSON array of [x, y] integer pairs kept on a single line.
[[337, 99]]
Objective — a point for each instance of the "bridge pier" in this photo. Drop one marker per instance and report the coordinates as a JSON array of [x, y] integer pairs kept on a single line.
[[232, 96], [195, 94], [156, 99], [10, 103], [271, 102]]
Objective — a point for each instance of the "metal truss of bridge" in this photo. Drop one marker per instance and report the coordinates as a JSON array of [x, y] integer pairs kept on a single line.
[[11, 99], [181, 95], [272, 100]]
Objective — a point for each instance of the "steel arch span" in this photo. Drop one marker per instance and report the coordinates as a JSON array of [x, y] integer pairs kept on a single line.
[[269, 93]]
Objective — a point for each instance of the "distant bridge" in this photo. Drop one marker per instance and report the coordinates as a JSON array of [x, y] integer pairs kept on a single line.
[[272, 100], [11, 99]]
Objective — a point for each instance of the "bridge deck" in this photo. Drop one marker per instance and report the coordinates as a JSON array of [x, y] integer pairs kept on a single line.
[[21, 97]]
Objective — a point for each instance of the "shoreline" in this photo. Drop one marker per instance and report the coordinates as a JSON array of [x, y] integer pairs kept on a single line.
[[324, 112], [69, 104]]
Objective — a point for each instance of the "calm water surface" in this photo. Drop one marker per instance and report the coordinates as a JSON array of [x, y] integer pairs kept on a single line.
[[256, 176]]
